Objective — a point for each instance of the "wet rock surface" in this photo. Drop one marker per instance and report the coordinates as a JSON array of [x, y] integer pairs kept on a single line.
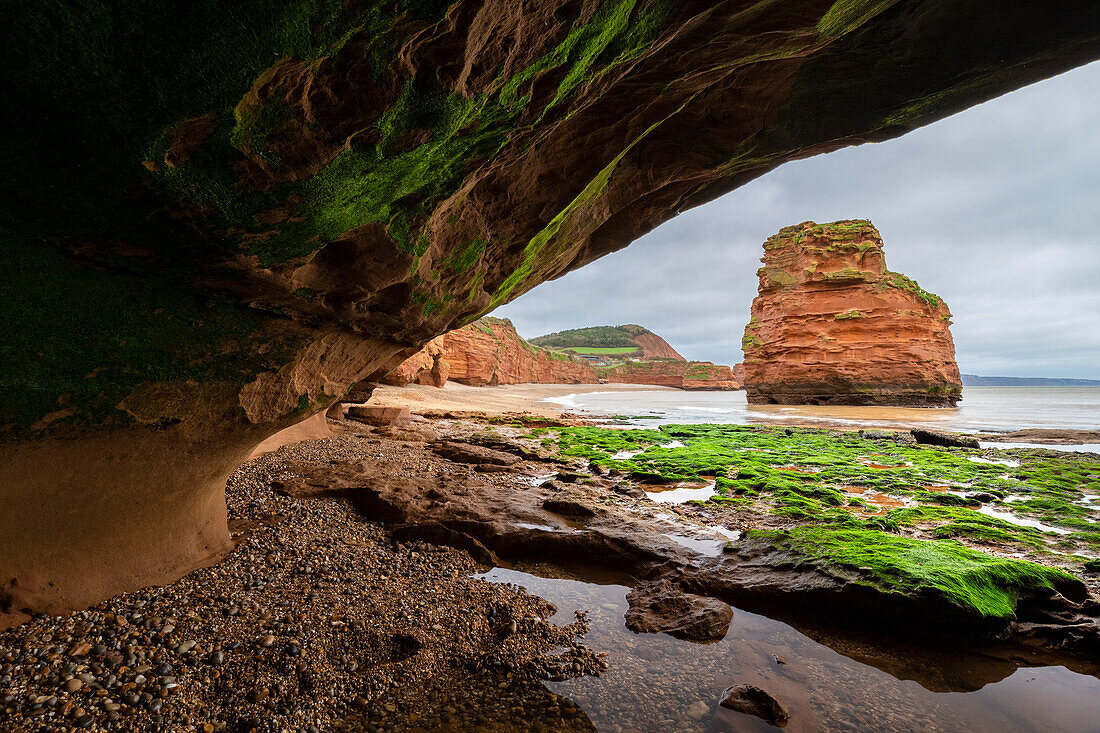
[[950, 440], [659, 607], [751, 700], [475, 454]]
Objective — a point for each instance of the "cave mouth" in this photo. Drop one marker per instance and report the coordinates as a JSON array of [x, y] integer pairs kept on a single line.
[[213, 246]]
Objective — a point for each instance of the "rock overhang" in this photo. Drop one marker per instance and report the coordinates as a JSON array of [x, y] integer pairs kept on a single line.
[[219, 216]]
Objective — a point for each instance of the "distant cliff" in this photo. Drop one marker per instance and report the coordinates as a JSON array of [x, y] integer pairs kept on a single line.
[[973, 380], [489, 352], [624, 341], [831, 325], [701, 375], [631, 354]]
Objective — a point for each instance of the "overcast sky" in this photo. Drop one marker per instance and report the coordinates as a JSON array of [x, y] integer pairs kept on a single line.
[[996, 209]]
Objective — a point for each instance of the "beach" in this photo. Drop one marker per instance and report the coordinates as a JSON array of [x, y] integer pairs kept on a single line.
[[990, 411]]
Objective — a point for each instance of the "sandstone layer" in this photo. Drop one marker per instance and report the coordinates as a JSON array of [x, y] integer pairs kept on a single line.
[[217, 216], [488, 352], [693, 375], [831, 325]]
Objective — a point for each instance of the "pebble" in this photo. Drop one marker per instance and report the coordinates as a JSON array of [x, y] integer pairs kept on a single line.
[[203, 653]]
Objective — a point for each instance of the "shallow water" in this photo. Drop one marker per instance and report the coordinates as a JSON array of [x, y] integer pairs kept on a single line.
[[997, 409], [658, 683], [681, 493]]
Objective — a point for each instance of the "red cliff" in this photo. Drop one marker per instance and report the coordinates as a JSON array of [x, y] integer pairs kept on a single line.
[[489, 352], [671, 373], [831, 325]]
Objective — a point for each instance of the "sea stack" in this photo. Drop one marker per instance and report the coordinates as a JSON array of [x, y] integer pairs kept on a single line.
[[830, 325]]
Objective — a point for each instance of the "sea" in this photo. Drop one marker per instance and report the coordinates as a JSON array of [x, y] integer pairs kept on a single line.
[[981, 410]]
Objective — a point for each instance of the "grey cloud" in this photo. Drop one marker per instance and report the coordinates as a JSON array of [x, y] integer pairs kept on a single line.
[[994, 209]]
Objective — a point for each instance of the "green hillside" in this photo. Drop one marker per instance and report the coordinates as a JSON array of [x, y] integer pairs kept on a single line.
[[583, 340]]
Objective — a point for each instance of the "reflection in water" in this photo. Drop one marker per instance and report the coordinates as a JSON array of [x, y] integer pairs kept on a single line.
[[658, 683], [682, 493]]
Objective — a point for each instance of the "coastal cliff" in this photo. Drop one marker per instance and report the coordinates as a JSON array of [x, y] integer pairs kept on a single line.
[[485, 353], [627, 341], [831, 325], [691, 375], [632, 354]]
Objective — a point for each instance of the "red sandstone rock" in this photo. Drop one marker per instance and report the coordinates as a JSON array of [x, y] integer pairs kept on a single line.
[[831, 325], [489, 352], [374, 415], [695, 375]]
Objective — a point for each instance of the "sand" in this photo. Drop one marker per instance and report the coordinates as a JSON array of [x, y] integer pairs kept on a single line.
[[493, 401]]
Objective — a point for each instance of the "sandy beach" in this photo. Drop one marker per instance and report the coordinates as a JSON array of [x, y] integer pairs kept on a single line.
[[494, 401]]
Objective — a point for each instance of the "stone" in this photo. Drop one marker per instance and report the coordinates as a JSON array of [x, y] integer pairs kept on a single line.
[[751, 700], [660, 607], [474, 454], [377, 416], [697, 710], [830, 325], [947, 440], [73, 685]]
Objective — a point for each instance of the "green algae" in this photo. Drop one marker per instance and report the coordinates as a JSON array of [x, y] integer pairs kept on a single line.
[[968, 578], [847, 15], [807, 478], [904, 282]]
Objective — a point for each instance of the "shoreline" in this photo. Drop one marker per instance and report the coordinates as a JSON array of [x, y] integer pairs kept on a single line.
[[535, 399], [497, 401]]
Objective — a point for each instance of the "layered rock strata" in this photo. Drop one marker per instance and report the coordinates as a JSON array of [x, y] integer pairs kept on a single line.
[[691, 375], [217, 216], [831, 325], [485, 353]]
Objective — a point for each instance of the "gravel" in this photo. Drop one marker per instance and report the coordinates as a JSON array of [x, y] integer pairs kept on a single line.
[[316, 622]]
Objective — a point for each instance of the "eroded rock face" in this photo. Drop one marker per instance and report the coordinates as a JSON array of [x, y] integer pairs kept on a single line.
[[220, 215], [701, 375], [831, 325], [488, 352]]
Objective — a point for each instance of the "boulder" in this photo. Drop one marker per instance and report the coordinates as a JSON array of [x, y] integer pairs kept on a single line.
[[661, 607], [378, 416], [947, 440], [474, 454], [751, 700]]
